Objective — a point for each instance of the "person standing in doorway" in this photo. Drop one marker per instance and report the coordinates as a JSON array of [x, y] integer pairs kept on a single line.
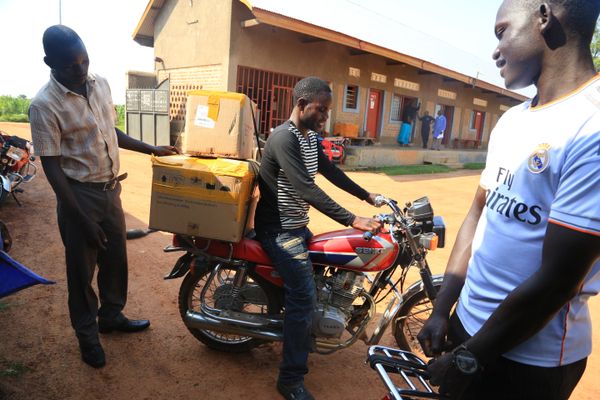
[[291, 159], [439, 127], [73, 129], [527, 256], [426, 121], [408, 118]]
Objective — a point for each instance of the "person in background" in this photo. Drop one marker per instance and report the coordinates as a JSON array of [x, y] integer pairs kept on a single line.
[[439, 126], [291, 159], [426, 121], [408, 117], [73, 129], [527, 257]]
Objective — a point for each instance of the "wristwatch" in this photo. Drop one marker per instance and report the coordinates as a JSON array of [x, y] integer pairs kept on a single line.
[[465, 361]]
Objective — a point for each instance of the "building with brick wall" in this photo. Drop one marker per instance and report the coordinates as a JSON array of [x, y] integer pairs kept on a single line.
[[376, 67]]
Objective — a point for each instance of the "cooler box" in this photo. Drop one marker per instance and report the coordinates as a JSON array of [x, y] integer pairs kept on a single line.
[[219, 124], [207, 197]]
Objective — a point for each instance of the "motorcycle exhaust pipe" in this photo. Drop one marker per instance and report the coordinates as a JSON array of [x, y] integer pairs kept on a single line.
[[197, 320]]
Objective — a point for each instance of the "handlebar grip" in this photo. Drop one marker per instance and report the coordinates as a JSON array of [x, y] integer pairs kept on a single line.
[[368, 235], [379, 201]]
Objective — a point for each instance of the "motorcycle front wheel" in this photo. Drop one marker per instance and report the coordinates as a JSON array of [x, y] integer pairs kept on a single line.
[[411, 318], [253, 297], [3, 194]]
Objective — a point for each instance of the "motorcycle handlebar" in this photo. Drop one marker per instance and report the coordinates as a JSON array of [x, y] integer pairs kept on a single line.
[[379, 201]]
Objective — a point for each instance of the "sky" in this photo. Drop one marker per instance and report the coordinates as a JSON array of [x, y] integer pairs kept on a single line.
[[106, 27]]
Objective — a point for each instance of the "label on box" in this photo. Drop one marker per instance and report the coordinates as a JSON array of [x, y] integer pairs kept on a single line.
[[202, 119]]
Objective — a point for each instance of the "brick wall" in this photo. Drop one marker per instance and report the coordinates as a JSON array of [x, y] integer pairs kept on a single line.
[[182, 80]]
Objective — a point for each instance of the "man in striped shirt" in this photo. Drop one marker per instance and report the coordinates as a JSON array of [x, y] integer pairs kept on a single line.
[[292, 157], [73, 129]]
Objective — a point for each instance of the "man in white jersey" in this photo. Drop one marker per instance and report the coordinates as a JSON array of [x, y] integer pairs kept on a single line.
[[526, 258]]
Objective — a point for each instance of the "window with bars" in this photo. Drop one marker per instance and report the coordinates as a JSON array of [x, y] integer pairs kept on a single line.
[[351, 99], [396, 110]]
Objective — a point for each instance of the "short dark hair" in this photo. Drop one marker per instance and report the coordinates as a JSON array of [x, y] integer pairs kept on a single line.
[[581, 15], [309, 88], [58, 37]]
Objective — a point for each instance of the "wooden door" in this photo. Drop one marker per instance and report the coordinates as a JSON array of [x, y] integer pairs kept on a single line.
[[448, 112], [479, 121], [373, 113]]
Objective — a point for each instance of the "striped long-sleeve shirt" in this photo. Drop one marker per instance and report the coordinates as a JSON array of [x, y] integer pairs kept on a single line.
[[287, 181]]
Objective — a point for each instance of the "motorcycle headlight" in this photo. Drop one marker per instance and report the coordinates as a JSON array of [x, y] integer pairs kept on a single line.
[[15, 153]]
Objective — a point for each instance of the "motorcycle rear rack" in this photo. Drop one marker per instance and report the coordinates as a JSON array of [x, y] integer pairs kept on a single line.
[[403, 367]]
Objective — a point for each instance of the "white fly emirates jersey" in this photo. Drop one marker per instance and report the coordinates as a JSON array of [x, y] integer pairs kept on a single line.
[[543, 165]]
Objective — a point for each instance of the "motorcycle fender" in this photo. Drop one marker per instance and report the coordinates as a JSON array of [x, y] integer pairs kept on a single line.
[[182, 266], [413, 290], [5, 183], [418, 286]]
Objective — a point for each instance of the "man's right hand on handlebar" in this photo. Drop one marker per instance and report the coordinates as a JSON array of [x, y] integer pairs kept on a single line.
[[375, 199], [367, 224]]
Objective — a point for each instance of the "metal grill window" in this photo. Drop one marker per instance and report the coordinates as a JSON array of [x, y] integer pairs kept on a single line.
[[396, 110], [351, 98], [271, 91]]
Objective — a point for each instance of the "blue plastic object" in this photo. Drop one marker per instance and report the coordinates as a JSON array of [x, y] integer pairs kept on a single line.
[[15, 276]]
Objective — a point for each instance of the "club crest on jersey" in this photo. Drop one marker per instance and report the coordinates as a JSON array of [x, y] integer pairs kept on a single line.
[[539, 159]]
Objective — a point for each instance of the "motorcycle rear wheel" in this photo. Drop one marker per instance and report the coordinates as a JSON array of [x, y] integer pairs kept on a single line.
[[263, 301], [411, 318]]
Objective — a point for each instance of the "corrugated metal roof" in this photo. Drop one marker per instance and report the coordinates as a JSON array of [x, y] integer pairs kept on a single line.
[[358, 22], [353, 19]]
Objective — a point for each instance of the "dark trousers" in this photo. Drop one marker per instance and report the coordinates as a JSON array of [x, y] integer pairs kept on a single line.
[[289, 253], [505, 379], [425, 137], [104, 207]]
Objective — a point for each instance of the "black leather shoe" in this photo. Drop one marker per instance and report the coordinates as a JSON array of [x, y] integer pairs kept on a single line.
[[123, 325], [295, 391], [92, 355]]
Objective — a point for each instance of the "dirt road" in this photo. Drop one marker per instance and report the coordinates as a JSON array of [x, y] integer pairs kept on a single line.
[[166, 362]]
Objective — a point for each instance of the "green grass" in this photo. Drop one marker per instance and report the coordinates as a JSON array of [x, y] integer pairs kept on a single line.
[[12, 368], [412, 169], [474, 165]]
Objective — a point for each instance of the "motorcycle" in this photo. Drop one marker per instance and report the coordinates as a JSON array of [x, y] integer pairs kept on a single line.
[[231, 298], [16, 165]]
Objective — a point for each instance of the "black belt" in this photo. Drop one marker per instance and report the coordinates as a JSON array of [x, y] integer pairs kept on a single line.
[[104, 186]]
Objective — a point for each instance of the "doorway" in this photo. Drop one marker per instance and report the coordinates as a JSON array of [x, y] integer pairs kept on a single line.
[[476, 123], [374, 107]]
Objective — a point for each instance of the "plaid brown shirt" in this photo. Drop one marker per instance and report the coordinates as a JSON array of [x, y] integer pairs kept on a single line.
[[80, 130]]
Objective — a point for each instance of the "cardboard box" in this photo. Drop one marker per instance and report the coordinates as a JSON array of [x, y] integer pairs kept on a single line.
[[219, 124], [205, 197]]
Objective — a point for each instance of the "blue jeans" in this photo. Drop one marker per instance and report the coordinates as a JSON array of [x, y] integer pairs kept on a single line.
[[289, 252]]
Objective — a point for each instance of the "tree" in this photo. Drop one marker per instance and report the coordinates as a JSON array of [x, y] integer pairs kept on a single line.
[[14, 108], [595, 47]]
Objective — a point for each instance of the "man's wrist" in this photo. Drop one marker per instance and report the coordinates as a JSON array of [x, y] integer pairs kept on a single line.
[[465, 361], [480, 352]]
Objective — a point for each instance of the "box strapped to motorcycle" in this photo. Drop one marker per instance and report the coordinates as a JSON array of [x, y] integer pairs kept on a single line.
[[403, 373]]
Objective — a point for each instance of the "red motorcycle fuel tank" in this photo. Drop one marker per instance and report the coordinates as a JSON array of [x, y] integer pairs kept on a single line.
[[347, 249]]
